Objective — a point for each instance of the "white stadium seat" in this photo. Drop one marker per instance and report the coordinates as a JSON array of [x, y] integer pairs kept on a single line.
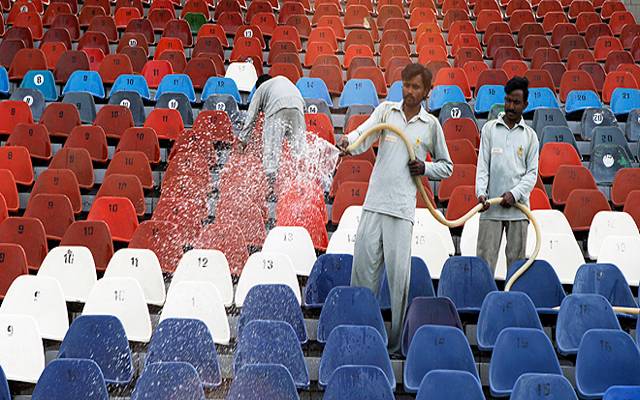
[[550, 221], [123, 298], [623, 252], [350, 218], [198, 300], [143, 266], [431, 249], [295, 242], [264, 268], [342, 241], [243, 74], [469, 242], [42, 298], [73, 268], [206, 266], [425, 222], [563, 253], [21, 348], [607, 223]]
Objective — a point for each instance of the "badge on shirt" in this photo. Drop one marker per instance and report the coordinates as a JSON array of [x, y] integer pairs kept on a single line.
[[497, 150], [390, 138], [418, 142], [520, 151]]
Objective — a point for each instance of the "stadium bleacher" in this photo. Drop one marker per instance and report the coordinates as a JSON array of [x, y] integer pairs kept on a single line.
[[143, 256]]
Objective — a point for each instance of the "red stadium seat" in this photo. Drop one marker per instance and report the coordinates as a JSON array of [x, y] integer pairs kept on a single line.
[[54, 211], [118, 213], [52, 52], [35, 137], [462, 151], [215, 30], [166, 122], [596, 72], [114, 119], [229, 240], [462, 199], [609, 7], [460, 27], [582, 205], [520, 17], [90, 138], [12, 113], [78, 161], [241, 212], [605, 45], [16, 159], [113, 66], [617, 58], [70, 61], [142, 26], [556, 70], [132, 163], [59, 181], [453, 76], [515, 68], [163, 238], [166, 44], [321, 125], [575, 80], [632, 206], [492, 77], [141, 139], [540, 78], [617, 79], [137, 56], [577, 57], [29, 234], [106, 25], [553, 155], [626, 181], [553, 18], [119, 185], [350, 170], [493, 28], [266, 21], [465, 55], [528, 29], [568, 178], [124, 15], [452, 16], [94, 235], [217, 123], [25, 60], [463, 174], [539, 199], [348, 194], [497, 41], [13, 263], [428, 53], [461, 128], [486, 17], [87, 14], [474, 69], [9, 191], [570, 43], [544, 55], [562, 30], [176, 58]]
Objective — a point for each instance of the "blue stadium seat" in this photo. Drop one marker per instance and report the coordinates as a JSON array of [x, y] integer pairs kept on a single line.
[[578, 314], [272, 342], [606, 280], [437, 347], [443, 94], [4, 80], [329, 271], [353, 306], [541, 97], [578, 100], [466, 281], [186, 340], [100, 338], [622, 393], [543, 387], [623, 100], [606, 358], [487, 96], [273, 303], [501, 310], [540, 283], [168, 380], [220, 85], [131, 83], [456, 110], [395, 91], [70, 379], [519, 351], [354, 345], [42, 81], [314, 88], [420, 284], [263, 382], [177, 83], [5, 393], [358, 383], [85, 81], [450, 385], [359, 91], [428, 311]]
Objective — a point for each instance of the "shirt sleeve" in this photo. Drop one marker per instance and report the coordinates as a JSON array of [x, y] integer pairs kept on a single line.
[[528, 181], [484, 159], [377, 117], [442, 167], [252, 115]]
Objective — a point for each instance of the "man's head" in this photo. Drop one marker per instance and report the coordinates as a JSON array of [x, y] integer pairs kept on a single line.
[[262, 79], [515, 99], [416, 83]]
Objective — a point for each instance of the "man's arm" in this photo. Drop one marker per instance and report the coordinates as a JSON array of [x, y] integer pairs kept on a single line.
[[442, 167], [252, 115], [484, 159], [525, 186], [375, 118]]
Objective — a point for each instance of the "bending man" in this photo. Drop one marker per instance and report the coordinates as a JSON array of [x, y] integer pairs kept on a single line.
[[508, 168], [283, 108], [386, 226]]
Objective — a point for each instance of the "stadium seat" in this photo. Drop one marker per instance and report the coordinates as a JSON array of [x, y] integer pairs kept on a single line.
[[621, 392], [34, 137], [162, 379], [358, 91], [176, 83], [502, 310], [263, 381], [167, 123], [90, 138], [624, 100], [53, 210], [541, 97], [448, 384], [60, 118], [610, 135], [466, 281], [294, 242], [73, 267], [23, 352], [606, 160], [12, 113], [85, 81], [358, 382], [143, 266], [85, 106], [562, 250], [314, 88], [428, 311], [42, 81], [596, 117], [118, 213], [33, 97], [621, 251], [487, 96], [59, 181], [256, 345], [208, 266], [28, 233], [529, 387], [617, 79], [131, 83], [606, 280], [605, 45], [419, 284], [545, 296], [13, 263], [329, 271], [601, 352], [569, 178], [62, 378], [279, 270], [84, 233], [443, 94], [559, 134], [555, 155]]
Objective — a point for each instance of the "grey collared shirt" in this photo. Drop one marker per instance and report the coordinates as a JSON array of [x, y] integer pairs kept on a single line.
[[507, 162], [391, 188]]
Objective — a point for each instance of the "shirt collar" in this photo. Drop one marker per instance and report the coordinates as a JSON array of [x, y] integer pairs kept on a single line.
[[422, 114], [501, 121]]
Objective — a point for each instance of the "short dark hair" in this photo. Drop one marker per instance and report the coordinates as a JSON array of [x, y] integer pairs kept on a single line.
[[262, 79], [412, 70], [518, 83]]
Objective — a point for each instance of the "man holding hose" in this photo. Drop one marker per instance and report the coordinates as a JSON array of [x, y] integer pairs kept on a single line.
[[507, 168], [386, 226]]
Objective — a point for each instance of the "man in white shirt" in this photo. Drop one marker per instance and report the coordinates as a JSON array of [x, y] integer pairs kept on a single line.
[[283, 108], [508, 168], [386, 225]]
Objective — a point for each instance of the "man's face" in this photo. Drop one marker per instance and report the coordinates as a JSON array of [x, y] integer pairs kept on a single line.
[[514, 105], [414, 91]]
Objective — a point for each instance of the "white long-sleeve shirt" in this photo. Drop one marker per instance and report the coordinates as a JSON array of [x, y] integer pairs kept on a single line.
[[391, 187], [507, 162], [276, 94]]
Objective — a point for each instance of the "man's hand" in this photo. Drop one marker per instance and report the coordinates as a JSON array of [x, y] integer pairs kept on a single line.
[[485, 204], [416, 167], [507, 200], [342, 145]]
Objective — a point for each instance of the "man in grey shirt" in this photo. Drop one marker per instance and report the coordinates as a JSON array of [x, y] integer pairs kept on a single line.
[[386, 226], [283, 108], [508, 168]]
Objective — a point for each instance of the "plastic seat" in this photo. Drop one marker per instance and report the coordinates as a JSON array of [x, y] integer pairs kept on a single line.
[[554, 155], [528, 386], [85, 81], [626, 180], [487, 96], [596, 117], [448, 384], [176, 83], [113, 66], [440, 95], [502, 310], [601, 352], [569, 178], [34, 137], [255, 346], [22, 349], [13, 113], [62, 378], [314, 88], [606, 160], [329, 271], [219, 85], [163, 379], [73, 267], [143, 266], [90, 138], [359, 91], [605, 45], [54, 211], [605, 280], [456, 283], [59, 181], [155, 70], [624, 100], [553, 133], [620, 392], [617, 79], [118, 213], [621, 251], [208, 266], [13, 263], [60, 118], [544, 296], [281, 271], [428, 311], [262, 382], [84, 104], [445, 342], [296, 243], [26, 60], [610, 135]]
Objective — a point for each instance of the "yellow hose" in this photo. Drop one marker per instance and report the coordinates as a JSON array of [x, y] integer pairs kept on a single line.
[[460, 221]]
